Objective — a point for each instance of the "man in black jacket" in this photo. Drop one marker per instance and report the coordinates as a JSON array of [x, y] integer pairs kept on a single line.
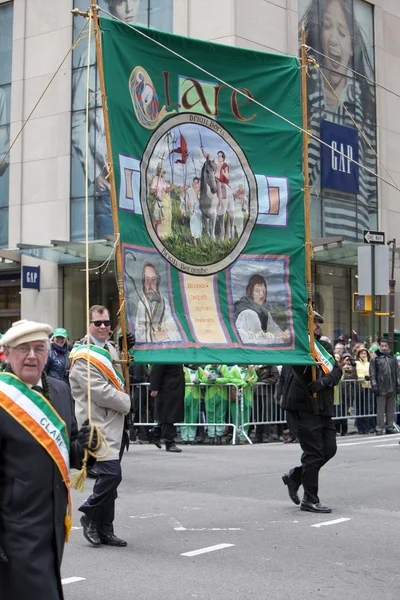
[[385, 380], [167, 387], [311, 419], [39, 440]]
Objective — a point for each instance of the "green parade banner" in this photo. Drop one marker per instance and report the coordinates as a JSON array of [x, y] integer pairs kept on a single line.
[[209, 191]]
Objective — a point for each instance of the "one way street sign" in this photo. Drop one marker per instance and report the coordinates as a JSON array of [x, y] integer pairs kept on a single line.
[[374, 237]]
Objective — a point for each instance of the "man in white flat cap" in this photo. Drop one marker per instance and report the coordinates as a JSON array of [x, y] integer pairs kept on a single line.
[[39, 441]]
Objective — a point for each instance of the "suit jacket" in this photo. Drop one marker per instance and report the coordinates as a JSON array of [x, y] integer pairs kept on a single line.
[[108, 405], [33, 504], [169, 382]]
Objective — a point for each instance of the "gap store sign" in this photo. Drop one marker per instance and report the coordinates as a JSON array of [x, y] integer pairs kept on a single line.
[[338, 172]]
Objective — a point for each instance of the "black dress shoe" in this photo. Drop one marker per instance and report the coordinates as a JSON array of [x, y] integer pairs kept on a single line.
[[172, 448], [316, 507], [113, 540], [292, 488], [90, 531]]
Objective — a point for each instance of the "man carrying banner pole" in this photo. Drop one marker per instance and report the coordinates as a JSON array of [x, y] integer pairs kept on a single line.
[[309, 406], [98, 390], [39, 441]]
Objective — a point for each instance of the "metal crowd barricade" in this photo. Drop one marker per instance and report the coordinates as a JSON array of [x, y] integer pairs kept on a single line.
[[218, 407], [214, 407]]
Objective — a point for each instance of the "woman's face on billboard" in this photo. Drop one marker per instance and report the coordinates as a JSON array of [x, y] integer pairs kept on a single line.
[[336, 42]]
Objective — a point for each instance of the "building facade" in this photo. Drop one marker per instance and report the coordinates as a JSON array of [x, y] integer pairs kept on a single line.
[[42, 179]]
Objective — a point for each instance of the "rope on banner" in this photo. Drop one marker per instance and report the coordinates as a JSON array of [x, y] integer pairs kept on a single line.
[[251, 99]]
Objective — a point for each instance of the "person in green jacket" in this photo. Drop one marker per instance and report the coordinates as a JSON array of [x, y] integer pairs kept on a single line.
[[192, 399], [243, 377], [216, 400]]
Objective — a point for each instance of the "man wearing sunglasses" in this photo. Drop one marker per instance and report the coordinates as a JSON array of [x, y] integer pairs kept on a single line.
[[109, 405], [39, 441]]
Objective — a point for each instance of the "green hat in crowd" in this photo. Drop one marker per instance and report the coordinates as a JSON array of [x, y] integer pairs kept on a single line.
[[60, 332], [374, 348]]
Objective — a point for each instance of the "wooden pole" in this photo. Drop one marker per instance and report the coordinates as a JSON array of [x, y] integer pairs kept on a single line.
[[114, 209], [306, 139]]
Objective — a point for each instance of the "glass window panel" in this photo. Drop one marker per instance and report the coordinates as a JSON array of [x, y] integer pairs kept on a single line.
[[333, 297], [79, 79], [315, 216], [364, 34], [6, 28], [78, 219], [161, 14], [79, 155], [4, 227], [4, 178]]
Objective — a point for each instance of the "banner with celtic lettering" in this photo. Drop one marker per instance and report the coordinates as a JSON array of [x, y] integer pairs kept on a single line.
[[210, 199]]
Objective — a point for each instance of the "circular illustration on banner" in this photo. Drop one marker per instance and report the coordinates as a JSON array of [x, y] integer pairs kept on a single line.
[[198, 194]]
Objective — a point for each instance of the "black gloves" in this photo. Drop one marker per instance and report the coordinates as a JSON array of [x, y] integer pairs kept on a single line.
[[84, 436], [367, 378], [316, 386], [130, 339], [3, 556], [375, 390]]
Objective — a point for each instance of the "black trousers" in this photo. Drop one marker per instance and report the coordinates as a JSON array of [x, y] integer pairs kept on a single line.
[[317, 437], [168, 433], [100, 506]]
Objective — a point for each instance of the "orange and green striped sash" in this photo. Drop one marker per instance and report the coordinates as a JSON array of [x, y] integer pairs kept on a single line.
[[35, 414], [101, 359]]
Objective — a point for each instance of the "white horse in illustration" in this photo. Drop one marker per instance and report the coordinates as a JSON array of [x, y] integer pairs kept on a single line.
[[209, 204]]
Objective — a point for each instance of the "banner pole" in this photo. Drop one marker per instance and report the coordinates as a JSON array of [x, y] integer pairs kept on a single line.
[[113, 194], [306, 139]]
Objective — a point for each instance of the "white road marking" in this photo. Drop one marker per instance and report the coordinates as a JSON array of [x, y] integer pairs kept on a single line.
[[208, 528], [208, 549], [147, 516], [179, 527], [334, 522], [387, 445], [75, 528], [68, 580], [372, 441]]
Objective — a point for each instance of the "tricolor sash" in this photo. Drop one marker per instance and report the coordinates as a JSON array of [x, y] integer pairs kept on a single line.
[[327, 361], [35, 414], [101, 359]]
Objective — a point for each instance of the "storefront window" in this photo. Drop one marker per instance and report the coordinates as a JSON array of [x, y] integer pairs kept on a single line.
[[340, 36], [10, 299], [6, 27], [151, 13], [334, 287], [102, 290]]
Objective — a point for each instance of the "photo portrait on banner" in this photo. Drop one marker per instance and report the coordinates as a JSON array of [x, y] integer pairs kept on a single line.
[[260, 301], [153, 13], [149, 297], [339, 34]]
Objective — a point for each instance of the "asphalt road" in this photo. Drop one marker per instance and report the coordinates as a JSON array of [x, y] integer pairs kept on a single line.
[[233, 499]]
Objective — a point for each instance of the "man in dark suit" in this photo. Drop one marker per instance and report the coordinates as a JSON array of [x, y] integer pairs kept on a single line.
[[167, 387], [39, 441], [311, 419]]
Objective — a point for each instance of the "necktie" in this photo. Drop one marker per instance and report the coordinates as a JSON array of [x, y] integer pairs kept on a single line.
[[38, 388]]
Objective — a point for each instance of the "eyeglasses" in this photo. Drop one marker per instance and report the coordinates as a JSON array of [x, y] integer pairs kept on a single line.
[[24, 350], [100, 323]]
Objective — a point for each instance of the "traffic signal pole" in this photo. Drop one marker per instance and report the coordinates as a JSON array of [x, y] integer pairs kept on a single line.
[[373, 332]]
